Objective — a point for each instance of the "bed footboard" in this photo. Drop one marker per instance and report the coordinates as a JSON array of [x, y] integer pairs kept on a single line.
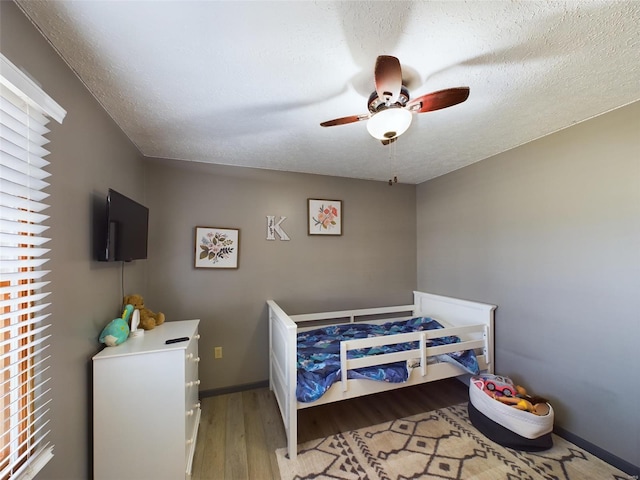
[[282, 371]]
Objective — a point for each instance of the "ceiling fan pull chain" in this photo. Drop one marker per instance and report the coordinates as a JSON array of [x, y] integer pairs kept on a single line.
[[392, 161]]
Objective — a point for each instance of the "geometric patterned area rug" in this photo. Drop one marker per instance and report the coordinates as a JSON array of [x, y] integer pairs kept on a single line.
[[441, 444]]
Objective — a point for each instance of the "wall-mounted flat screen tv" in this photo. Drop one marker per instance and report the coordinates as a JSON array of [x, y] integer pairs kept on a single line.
[[126, 229]]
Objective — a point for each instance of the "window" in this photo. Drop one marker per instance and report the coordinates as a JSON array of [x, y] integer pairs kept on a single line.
[[24, 342]]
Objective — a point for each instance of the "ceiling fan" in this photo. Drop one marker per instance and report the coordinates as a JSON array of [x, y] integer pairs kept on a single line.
[[390, 108]]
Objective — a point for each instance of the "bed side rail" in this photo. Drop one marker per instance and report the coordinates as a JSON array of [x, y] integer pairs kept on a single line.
[[352, 315], [423, 352]]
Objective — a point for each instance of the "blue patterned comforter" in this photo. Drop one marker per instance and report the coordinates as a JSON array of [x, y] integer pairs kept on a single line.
[[318, 362]]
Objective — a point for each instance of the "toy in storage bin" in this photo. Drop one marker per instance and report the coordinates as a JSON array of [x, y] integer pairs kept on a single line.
[[506, 425]]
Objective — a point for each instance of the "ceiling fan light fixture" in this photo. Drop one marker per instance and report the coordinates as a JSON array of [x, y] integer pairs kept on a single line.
[[389, 123]]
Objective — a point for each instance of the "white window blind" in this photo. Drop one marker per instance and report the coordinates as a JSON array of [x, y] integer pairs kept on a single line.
[[24, 322]]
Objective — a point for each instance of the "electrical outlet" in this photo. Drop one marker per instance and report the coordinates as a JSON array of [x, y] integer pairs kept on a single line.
[[217, 352]]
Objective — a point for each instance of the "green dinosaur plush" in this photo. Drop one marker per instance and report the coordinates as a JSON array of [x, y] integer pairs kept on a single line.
[[117, 330]]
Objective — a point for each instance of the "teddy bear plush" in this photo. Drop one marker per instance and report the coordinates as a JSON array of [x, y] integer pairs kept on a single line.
[[148, 319]]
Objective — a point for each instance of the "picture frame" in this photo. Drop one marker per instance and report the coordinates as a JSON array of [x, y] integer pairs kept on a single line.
[[324, 217], [217, 247]]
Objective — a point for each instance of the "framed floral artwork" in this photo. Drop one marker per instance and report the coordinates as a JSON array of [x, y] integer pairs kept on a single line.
[[217, 247], [324, 217]]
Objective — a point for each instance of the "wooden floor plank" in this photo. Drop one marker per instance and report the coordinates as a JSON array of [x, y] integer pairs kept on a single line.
[[316, 422], [348, 416], [275, 435], [258, 462], [214, 417], [235, 467]]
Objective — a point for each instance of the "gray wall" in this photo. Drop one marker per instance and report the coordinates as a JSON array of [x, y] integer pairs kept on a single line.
[[371, 264], [89, 154], [550, 232]]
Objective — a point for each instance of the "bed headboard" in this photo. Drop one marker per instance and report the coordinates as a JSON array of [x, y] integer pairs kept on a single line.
[[463, 312]]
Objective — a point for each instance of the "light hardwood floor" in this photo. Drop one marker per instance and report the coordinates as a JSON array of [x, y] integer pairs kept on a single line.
[[239, 432]]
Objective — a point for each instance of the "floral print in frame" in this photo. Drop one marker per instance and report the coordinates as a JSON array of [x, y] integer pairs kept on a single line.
[[217, 247], [324, 217]]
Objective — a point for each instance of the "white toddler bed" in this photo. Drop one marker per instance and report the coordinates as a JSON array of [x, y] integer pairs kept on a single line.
[[472, 322]]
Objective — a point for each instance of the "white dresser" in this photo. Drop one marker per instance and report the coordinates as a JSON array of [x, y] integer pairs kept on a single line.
[[145, 405]]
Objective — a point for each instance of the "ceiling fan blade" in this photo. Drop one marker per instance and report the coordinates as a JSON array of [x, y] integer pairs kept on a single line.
[[437, 100], [345, 120], [388, 78]]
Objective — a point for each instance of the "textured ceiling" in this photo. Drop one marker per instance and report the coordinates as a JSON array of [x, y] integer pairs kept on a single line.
[[248, 83]]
